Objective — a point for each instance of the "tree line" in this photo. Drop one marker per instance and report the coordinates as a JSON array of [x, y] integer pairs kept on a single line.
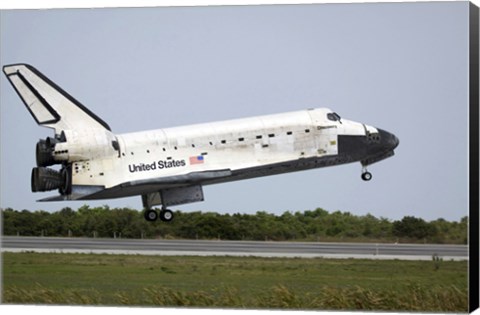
[[310, 225]]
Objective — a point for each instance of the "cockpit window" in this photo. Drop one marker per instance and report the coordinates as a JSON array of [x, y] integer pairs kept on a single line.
[[333, 117]]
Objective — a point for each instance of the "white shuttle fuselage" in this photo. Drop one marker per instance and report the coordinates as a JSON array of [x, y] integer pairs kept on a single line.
[[169, 166]]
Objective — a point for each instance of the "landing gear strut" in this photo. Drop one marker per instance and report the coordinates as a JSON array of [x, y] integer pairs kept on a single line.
[[366, 175]]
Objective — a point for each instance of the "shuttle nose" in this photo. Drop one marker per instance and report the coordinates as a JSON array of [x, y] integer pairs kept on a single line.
[[388, 140], [380, 146]]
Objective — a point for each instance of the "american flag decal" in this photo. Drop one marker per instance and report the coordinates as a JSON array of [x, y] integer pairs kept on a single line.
[[196, 159]]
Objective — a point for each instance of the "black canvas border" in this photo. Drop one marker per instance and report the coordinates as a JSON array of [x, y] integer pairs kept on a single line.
[[473, 160]]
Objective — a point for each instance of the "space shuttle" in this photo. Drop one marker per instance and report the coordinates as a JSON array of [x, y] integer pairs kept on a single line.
[[85, 160]]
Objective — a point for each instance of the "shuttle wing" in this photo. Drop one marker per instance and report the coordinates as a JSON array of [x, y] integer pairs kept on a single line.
[[49, 105], [186, 179], [141, 187]]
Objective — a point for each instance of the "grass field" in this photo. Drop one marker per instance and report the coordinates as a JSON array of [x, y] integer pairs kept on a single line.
[[235, 282]]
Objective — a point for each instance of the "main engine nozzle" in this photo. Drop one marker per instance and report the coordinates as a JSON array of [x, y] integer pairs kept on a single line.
[[46, 179], [44, 152]]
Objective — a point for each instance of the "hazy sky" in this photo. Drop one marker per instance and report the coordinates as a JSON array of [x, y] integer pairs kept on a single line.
[[402, 67]]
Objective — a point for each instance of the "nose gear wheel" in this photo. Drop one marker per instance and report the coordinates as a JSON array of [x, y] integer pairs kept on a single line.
[[366, 175]]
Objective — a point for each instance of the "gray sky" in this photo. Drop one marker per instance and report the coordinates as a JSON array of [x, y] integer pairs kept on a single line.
[[402, 67]]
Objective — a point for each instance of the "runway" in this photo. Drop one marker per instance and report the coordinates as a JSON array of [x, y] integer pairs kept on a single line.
[[233, 248]]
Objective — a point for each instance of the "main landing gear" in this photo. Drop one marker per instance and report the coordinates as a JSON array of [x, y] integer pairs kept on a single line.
[[153, 199], [366, 175], [165, 215]]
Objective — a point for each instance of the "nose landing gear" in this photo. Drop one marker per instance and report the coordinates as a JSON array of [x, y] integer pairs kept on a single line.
[[366, 175]]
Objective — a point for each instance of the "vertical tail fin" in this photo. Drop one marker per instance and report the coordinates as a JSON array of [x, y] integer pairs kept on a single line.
[[49, 105]]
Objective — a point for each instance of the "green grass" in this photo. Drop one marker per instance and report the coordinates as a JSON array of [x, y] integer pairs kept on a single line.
[[238, 282]]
